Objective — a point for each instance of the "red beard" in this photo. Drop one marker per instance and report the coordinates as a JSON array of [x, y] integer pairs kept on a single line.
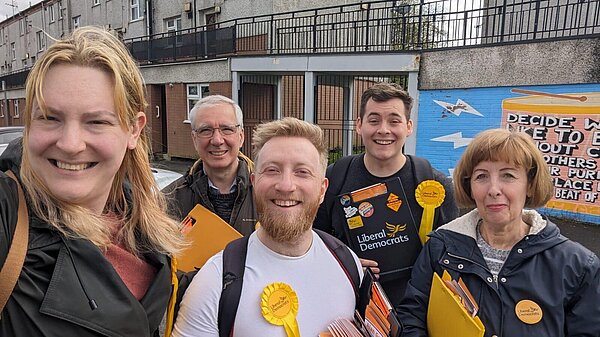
[[282, 227]]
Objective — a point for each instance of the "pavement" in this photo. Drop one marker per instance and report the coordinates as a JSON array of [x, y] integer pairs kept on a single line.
[[587, 234]]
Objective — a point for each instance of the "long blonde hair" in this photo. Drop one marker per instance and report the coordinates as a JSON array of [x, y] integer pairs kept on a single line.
[[146, 226]]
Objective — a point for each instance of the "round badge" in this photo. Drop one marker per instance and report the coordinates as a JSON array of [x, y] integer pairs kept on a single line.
[[366, 209], [528, 311], [430, 193], [345, 200], [279, 306]]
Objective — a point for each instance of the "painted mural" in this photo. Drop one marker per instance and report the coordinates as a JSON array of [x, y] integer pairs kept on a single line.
[[564, 121]]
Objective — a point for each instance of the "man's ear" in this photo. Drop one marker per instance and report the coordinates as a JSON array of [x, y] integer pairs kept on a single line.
[[409, 127], [324, 185], [136, 130], [358, 125]]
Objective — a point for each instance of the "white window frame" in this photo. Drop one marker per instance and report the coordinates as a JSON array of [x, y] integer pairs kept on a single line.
[[95, 3], [174, 28], [176, 24], [134, 10], [22, 26], [60, 10], [202, 90], [40, 40], [13, 51], [76, 21]]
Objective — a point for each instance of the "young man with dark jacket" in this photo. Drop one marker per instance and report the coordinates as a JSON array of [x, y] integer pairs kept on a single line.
[[384, 124]]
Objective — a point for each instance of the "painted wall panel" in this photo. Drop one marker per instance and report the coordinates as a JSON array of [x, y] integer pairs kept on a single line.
[[565, 126]]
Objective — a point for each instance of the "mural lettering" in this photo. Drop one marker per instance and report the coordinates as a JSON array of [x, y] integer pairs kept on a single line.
[[567, 132]]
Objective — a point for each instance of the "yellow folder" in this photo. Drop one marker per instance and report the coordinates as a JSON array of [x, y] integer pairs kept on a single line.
[[208, 234], [446, 316]]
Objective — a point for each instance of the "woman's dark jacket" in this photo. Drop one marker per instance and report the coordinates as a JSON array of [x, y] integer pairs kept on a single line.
[[561, 276], [49, 299]]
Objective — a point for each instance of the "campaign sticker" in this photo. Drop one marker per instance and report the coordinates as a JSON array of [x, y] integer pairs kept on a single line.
[[355, 222], [529, 312], [350, 211], [366, 209], [393, 202], [345, 200]]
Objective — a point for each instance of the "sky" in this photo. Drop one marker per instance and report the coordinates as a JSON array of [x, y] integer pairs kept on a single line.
[[6, 10]]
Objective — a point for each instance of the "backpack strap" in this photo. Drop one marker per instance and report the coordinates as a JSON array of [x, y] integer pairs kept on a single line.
[[343, 256], [234, 262], [337, 173], [18, 249]]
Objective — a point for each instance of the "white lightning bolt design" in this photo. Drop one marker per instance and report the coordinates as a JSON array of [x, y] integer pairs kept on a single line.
[[455, 138], [458, 108]]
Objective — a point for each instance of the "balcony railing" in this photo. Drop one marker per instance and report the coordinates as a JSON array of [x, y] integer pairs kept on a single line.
[[378, 26]]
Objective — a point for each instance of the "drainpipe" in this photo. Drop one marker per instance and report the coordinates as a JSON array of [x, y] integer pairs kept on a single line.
[[149, 18], [195, 15]]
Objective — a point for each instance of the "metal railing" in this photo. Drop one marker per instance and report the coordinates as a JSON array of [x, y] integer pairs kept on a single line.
[[377, 26]]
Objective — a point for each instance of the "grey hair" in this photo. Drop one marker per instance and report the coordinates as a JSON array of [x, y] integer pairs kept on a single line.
[[214, 100]]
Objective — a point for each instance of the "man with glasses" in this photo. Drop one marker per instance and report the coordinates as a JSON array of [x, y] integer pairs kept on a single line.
[[219, 180]]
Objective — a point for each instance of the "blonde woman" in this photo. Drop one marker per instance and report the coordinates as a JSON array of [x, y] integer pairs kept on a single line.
[[98, 260]]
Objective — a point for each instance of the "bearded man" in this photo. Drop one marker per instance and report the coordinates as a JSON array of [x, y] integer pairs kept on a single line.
[[286, 262]]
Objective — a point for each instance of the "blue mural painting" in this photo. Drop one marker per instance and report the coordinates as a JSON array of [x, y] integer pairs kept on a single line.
[[449, 119]]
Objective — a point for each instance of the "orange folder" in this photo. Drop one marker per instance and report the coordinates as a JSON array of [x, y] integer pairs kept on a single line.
[[207, 233]]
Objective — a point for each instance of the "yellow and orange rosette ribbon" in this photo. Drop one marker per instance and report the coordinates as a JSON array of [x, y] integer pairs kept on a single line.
[[430, 195], [279, 306]]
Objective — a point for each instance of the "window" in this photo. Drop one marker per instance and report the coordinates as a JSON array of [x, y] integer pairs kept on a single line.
[[40, 40], [76, 21], [60, 10], [51, 17], [135, 10], [13, 51], [2, 36], [194, 93], [172, 26], [95, 2], [21, 26], [16, 115]]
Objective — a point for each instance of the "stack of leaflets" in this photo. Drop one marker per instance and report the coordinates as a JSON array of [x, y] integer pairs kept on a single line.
[[374, 317], [464, 295]]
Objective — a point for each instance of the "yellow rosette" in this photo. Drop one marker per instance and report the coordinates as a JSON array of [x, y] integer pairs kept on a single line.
[[279, 305], [430, 195]]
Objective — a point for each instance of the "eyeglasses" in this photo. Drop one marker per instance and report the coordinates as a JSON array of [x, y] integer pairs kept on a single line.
[[207, 131]]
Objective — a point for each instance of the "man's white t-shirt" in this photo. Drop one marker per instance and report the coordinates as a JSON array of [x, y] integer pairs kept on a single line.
[[323, 289]]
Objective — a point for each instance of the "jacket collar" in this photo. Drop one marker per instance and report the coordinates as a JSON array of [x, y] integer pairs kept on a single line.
[[467, 224], [460, 239], [196, 173]]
